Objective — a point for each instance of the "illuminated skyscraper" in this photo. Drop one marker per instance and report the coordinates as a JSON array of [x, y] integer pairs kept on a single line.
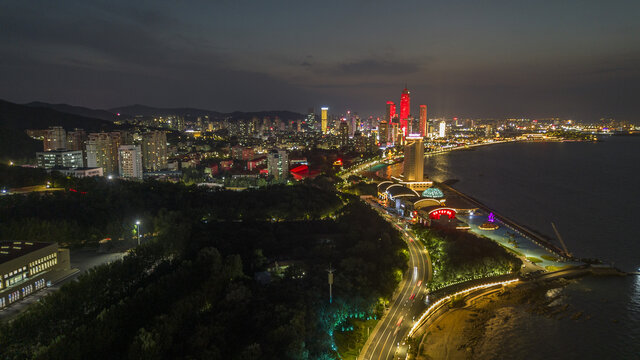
[[394, 130], [351, 121], [383, 133], [344, 133], [423, 121], [414, 158], [102, 151], [443, 129], [324, 118], [154, 150], [405, 107], [391, 111]]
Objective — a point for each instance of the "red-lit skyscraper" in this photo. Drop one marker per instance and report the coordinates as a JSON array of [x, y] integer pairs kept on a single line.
[[423, 120], [405, 105], [391, 111]]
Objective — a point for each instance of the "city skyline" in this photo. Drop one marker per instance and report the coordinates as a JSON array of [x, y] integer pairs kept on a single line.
[[573, 60], [285, 180]]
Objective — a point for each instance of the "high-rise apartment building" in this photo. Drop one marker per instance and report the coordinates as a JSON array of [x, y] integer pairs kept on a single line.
[[130, 161], [324, 118], [154, 150], [102, 151], [76, 139], [176, 122], [55, 138], [443, 129], [413, 159], [278, 164], [344, 133], [423, 121]]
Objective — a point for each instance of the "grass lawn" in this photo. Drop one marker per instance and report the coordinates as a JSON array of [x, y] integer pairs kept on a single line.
[[549, 257], [534, 260], [518, 253], [556, 268], [349, 343]]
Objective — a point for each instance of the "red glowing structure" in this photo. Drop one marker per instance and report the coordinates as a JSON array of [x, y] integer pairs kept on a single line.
[[437, 213], [391, 110], [405, 106]]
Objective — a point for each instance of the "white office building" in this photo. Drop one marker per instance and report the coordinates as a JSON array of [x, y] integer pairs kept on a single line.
[[59, 158], [443, 129], [130, 161]]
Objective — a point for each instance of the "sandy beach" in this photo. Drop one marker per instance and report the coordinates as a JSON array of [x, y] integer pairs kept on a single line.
[[471, 332]]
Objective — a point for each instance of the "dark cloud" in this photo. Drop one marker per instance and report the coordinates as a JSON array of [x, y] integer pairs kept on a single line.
[[374, 67], [235, 55]]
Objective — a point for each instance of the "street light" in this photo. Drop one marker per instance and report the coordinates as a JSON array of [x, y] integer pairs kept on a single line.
[[138, 222]]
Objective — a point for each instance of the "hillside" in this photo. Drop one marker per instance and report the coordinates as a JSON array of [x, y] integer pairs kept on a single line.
[[22, 117], [76, 110], [17, 146]]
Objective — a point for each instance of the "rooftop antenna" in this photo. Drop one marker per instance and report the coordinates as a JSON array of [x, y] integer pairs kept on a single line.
[[330, 270], [566, 251]]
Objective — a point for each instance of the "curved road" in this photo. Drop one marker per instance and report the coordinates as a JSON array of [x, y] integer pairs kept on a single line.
[[388, 336]]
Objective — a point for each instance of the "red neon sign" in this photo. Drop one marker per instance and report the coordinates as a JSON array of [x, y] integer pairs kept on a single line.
[[436, 214]]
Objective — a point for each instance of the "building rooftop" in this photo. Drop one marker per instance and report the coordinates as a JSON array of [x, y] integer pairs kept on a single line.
[[73, 168], [382, 187], [57, 151], [433, 192], [396, 190], [10, 250]]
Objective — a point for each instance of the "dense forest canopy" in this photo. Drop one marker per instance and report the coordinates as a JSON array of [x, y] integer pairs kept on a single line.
[[191, 290]]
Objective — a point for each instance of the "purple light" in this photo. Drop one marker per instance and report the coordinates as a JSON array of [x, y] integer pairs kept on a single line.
[[491, 218]]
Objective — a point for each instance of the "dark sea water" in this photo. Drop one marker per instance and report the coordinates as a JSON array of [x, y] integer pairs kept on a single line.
[[592, 193]]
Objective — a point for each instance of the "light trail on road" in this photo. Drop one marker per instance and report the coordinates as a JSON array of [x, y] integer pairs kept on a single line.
[[395, 324]]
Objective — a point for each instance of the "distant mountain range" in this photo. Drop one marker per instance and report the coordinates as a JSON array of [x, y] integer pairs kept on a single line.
[[24, 117], [143, 110], [15, 144], [76, 110]]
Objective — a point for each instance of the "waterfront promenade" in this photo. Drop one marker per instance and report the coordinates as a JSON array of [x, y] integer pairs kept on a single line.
[[544, 261], [539, 239]]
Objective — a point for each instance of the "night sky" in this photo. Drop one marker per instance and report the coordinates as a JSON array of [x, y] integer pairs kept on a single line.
[[576, 59]]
